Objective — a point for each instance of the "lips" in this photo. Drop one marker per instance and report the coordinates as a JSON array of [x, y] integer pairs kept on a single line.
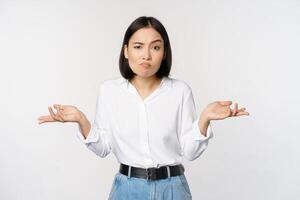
[[145, 64]]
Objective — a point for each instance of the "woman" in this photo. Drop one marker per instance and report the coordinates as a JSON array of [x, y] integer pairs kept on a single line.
[[147, 119]]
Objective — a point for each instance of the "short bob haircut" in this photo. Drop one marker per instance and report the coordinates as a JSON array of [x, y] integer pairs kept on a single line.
[[145, 22]]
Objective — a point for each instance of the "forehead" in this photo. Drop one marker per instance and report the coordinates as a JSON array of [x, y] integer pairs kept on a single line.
[[145, 35]]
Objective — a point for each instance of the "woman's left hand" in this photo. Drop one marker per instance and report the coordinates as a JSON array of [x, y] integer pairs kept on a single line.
[[221, 110]]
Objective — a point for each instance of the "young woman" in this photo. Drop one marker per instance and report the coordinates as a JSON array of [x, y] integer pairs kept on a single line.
[[147, 119]]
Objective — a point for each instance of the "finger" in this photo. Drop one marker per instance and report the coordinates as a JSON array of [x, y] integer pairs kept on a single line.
[[52, 113], [60, 115], [235, 109], [241, 109], [242, 113], [58, 106], [225, 103], [43, 119]]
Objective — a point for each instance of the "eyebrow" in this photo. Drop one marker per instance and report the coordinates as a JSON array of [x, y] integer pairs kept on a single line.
[[158, 40]]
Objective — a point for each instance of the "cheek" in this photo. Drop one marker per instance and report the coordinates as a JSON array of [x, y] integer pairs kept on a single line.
[[160, 54], [133, 61], [133, 56], [158, 58]]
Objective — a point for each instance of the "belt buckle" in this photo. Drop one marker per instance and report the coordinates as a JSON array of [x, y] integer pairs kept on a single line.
[[150, 174]]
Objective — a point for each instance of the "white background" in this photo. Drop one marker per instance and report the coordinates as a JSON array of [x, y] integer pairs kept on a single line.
[[60, 51]]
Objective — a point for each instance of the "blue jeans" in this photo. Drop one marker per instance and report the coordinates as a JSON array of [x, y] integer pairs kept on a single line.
[[131, 188]]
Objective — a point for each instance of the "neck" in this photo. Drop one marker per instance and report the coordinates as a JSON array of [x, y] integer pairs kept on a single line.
[[145, 83]]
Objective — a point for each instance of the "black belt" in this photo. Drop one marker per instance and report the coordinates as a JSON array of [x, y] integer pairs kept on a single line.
[[152, 173]]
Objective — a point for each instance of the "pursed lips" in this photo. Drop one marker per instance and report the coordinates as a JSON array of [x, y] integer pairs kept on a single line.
[[144, 64]]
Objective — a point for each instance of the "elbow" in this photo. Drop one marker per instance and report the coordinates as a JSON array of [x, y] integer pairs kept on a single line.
[[102, 155], [192, 157], [100, 151], [193, 154]]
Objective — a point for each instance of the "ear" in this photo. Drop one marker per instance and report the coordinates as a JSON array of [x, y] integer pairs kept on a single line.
[[125, 51]]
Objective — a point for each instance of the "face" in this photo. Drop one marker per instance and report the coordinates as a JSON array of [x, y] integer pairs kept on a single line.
[[145, 52]]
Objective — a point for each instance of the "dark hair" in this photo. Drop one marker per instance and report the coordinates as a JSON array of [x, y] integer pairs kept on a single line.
[[137, 24]]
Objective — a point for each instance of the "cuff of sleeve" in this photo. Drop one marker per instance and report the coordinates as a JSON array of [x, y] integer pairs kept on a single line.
[[92, 136], [198, 135]]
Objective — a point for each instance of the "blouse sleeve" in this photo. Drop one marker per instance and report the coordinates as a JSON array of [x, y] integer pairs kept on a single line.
[[98, 140], [193, 143]]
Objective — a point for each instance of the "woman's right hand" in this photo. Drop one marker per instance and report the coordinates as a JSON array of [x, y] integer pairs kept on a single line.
[[65, 113]]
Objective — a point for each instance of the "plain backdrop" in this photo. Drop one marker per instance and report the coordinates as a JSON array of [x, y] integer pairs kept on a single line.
[[60, 51]]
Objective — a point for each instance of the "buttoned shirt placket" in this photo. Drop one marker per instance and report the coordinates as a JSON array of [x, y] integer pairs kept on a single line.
[[143, 127], [144, 131]]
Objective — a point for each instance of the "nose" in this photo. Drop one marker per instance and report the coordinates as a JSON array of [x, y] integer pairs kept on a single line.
[[146, 54]]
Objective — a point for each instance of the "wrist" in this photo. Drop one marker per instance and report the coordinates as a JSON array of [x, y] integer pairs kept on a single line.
[[81, 118], [203, 123], [204, 119]]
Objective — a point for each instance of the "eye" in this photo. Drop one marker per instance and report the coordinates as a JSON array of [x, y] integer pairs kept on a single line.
[[157, 48], [137, 47]]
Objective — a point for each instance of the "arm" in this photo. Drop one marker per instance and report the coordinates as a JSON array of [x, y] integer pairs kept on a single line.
[[203, 124], [84, 125], [96, 136], [195, 131]]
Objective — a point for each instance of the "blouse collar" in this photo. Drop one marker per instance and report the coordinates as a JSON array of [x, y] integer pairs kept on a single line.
[[166, 81]]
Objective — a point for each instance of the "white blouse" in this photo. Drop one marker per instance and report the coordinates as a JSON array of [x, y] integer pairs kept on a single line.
[[159, 130]]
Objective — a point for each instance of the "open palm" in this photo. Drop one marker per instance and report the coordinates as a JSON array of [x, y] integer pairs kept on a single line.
[[64, 113], [221, 109]]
